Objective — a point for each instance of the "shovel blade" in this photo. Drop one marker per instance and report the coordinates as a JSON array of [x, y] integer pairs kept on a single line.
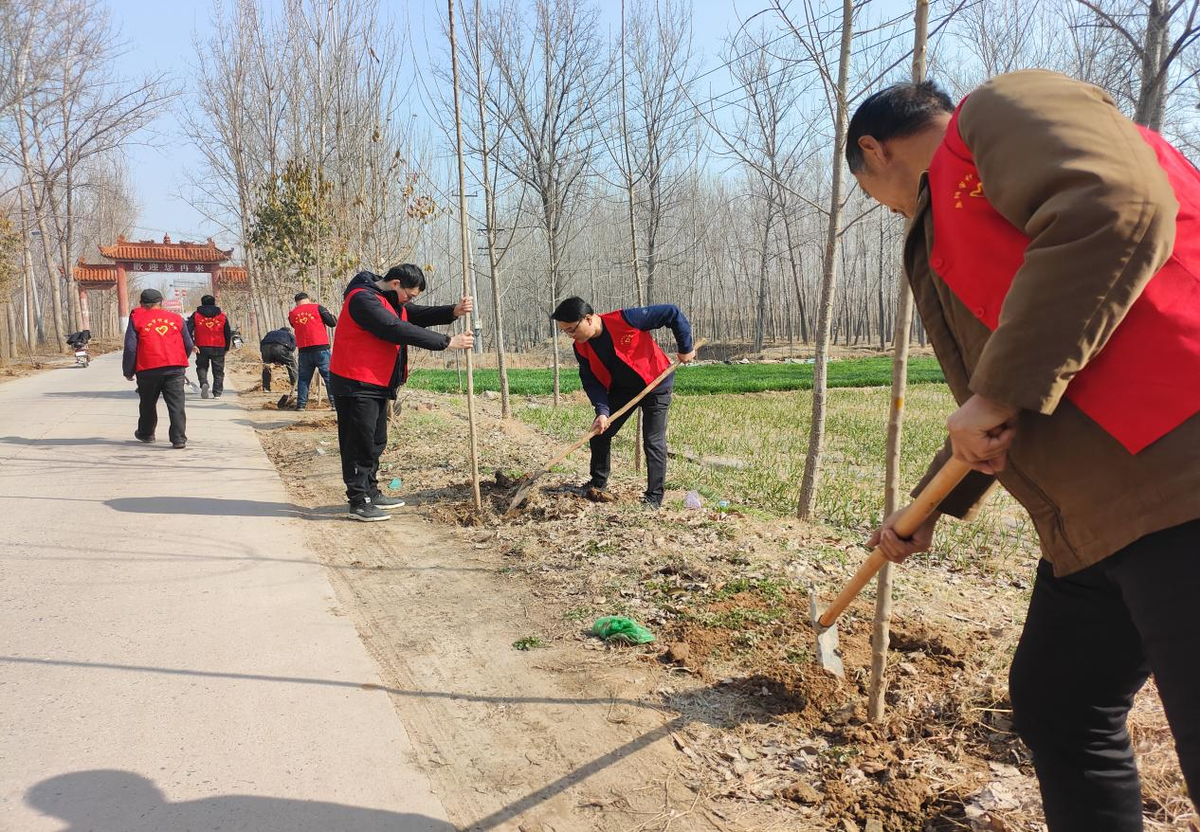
[[521, 494], [829, 656]]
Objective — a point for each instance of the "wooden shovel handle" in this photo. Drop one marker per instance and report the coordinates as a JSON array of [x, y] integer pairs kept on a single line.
[[917, 512], [632, 403]]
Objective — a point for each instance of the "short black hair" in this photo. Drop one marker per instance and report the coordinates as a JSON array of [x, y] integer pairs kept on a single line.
[[572, 310], [300, 296], [208, 300], [410, 276], [897, 111]]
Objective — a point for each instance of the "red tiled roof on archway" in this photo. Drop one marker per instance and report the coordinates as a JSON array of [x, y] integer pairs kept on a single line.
[[166, 251], [232, 274], [95, 275]]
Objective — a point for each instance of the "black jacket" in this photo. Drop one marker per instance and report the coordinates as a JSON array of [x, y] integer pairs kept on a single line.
[[367, 311], [210, 311], [279, 336]]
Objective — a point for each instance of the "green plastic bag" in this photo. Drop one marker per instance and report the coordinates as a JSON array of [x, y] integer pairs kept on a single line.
[[620, 629]]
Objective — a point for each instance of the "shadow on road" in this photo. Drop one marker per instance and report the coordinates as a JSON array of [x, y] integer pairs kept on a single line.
[[131, 393], [710, 705], [107, 800], [215, 507], [73, 440]]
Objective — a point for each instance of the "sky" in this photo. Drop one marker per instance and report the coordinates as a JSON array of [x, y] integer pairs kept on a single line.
[[158, 42]]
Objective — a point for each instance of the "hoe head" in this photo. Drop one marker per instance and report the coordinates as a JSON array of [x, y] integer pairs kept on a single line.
[[524, 487], [829, 656]]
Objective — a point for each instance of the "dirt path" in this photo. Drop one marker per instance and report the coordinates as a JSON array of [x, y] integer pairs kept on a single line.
[[530, 740]]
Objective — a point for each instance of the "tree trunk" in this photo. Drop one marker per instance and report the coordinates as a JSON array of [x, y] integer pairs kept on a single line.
[[760, 316], [1152, 94], [881, 632], [465, 240], [816, 436], [633, 240]]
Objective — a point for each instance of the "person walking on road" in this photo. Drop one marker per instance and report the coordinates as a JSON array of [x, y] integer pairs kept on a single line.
[[157, 346], [618, 358], [278, 349], [210, 329], [309, 320], [1052, 249], [377, 324]]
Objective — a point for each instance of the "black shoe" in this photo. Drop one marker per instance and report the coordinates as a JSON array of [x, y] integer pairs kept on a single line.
[[368, 512], [179, 446], [204, 394], [216, 395], [146, 439], [385, 502], [300, 407], [652, 502]]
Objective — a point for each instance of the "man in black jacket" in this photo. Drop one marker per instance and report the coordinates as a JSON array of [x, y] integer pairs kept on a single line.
[[377, 324], [212, 334], [278, 347]]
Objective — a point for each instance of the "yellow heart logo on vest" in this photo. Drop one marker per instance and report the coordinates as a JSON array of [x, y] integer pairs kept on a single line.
[[161, 330]]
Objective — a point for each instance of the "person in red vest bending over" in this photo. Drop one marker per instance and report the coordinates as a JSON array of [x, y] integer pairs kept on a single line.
[[617, 359], [157, 347], [210, 329], [1053, 249], [377, 325], [309, 320]]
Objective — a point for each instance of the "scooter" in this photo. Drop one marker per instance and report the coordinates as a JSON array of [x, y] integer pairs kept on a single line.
[[78, 341]]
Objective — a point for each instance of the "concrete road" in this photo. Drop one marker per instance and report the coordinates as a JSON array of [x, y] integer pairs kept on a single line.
[[171, 655]]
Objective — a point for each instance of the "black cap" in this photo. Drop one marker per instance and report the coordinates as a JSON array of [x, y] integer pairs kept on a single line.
[[151, 296]]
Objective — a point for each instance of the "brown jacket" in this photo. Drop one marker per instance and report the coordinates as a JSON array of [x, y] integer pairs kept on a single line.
[[1088, 496]]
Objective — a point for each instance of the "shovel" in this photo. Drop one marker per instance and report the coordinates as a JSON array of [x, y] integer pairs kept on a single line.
[[526, 483], [286, 397], [918, 511]]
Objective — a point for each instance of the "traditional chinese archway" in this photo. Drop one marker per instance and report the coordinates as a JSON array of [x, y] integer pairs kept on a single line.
[[149, 256]]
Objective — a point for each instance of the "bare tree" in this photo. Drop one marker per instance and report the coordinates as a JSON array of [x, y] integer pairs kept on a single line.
[[881, 633], [840, 105], [465, 237], [305, 86], [1157, 32], [549, 68], [66, 103]]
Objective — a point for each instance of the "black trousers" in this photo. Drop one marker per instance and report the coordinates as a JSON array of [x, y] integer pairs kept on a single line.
[[654, 440], [277, 354], [214, 356], [362, 437], [170, 386], [1090, 641]]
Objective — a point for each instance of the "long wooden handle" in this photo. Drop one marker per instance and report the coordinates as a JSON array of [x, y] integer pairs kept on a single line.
[[632, 403], [918, 511]]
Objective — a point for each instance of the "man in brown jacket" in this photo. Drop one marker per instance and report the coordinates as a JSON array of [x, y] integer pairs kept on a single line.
[[1049, 180]]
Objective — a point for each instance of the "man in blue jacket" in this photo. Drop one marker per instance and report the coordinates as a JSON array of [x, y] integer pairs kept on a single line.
[[618, 359]]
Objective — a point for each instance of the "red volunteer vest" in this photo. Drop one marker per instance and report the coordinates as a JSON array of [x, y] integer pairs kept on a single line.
[[310, 329], [160, 339], [633, 346], [1143, 383], [210, 332], [358, 354]]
